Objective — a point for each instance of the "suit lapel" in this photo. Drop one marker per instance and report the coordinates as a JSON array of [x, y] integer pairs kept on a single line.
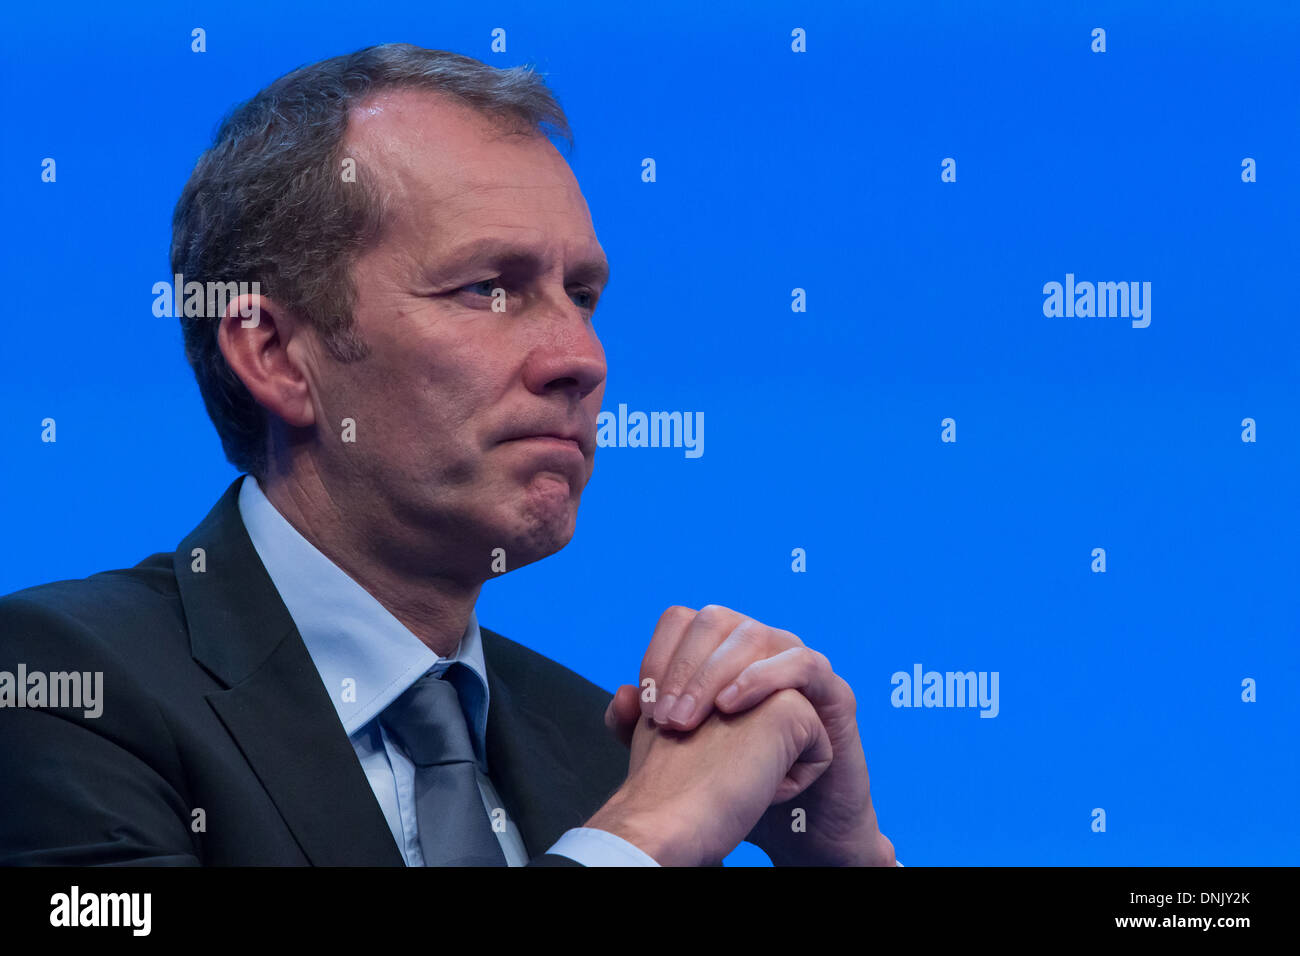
[[275, 706], [528, 758]]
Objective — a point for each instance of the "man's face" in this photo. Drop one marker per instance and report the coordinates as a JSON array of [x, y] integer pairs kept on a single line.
[[455, 401]]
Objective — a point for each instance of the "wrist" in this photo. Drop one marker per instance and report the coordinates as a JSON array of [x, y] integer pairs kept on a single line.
[[657, 831], [870, 848], [880, 852]]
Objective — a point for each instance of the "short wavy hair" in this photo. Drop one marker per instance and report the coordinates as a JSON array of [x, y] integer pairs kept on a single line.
[[267, 203]]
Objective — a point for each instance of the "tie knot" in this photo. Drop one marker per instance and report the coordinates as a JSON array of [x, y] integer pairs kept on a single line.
[[429, 723]]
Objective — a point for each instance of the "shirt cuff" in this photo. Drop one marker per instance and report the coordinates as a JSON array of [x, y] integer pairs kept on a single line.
[[897, 862], [592, 847]]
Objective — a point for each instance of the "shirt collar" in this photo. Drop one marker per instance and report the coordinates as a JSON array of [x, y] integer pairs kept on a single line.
[[366, 657]]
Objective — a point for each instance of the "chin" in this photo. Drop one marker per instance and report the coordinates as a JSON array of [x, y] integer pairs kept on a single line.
[[544, 524], [536, 542]]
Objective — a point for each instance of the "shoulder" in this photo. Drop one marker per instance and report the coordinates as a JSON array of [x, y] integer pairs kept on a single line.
[[536, 679], [126, 610]]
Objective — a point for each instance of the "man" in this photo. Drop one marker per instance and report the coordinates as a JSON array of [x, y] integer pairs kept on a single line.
[[412, 391]]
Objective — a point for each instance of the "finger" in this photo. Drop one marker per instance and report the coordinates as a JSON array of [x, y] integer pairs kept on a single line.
[[623, 712], [797, 668], [667, 634], [812, 763], [750, 641], [706, 631]]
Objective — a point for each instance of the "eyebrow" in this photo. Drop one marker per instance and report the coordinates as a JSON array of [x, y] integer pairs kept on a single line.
[[501, 253]]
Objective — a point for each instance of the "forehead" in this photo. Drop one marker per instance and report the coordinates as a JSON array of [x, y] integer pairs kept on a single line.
[[451, 172]]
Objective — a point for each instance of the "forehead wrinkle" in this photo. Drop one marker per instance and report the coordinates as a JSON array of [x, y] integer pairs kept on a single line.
[[389, 136]]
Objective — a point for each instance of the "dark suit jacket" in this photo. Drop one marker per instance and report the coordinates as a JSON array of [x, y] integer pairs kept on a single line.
[[211, 701]]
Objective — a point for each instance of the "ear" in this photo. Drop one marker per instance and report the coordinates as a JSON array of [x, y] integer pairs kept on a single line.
[[255, 336]]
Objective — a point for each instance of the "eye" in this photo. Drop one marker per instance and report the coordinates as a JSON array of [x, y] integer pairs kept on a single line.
[[490, 284], [485, 288]]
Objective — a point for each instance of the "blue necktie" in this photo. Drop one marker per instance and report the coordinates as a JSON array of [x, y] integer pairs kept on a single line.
[[430, 725]]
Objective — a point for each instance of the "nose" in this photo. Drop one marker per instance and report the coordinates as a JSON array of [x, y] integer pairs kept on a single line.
[[567, 357]]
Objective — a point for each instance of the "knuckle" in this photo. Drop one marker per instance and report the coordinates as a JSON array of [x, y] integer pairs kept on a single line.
[[748, 633], [652, 670], [809, 665], [788, 638], [677, 614], [845, 691], [744, 681], [790, 702], [714, 614], [679, 673]]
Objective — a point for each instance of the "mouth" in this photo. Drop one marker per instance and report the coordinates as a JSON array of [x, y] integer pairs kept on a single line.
[[560, 439], [556, 441]]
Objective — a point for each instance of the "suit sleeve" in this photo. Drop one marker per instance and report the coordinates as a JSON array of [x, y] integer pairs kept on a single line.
[[552, 859], [82, 790]]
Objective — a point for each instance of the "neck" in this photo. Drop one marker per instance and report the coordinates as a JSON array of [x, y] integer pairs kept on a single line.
[[434, 606]]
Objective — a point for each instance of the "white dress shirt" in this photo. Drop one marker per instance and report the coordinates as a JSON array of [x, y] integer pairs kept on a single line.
[[366, 659]]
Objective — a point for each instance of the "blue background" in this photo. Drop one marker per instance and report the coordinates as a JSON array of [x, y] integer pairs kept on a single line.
[[819, 171]]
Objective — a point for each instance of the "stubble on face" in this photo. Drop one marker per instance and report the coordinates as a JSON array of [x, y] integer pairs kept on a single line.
[[446, 379]]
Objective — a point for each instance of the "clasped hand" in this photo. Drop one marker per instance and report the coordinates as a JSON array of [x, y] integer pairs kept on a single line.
[[722, 747]]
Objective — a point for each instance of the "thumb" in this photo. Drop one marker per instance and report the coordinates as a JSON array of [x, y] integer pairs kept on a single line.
[[623, 712], [814, 760]]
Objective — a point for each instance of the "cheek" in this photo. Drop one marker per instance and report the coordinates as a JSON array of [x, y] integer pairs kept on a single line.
[[439, 398], [428, 386], [443, 419], [401, 418]]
